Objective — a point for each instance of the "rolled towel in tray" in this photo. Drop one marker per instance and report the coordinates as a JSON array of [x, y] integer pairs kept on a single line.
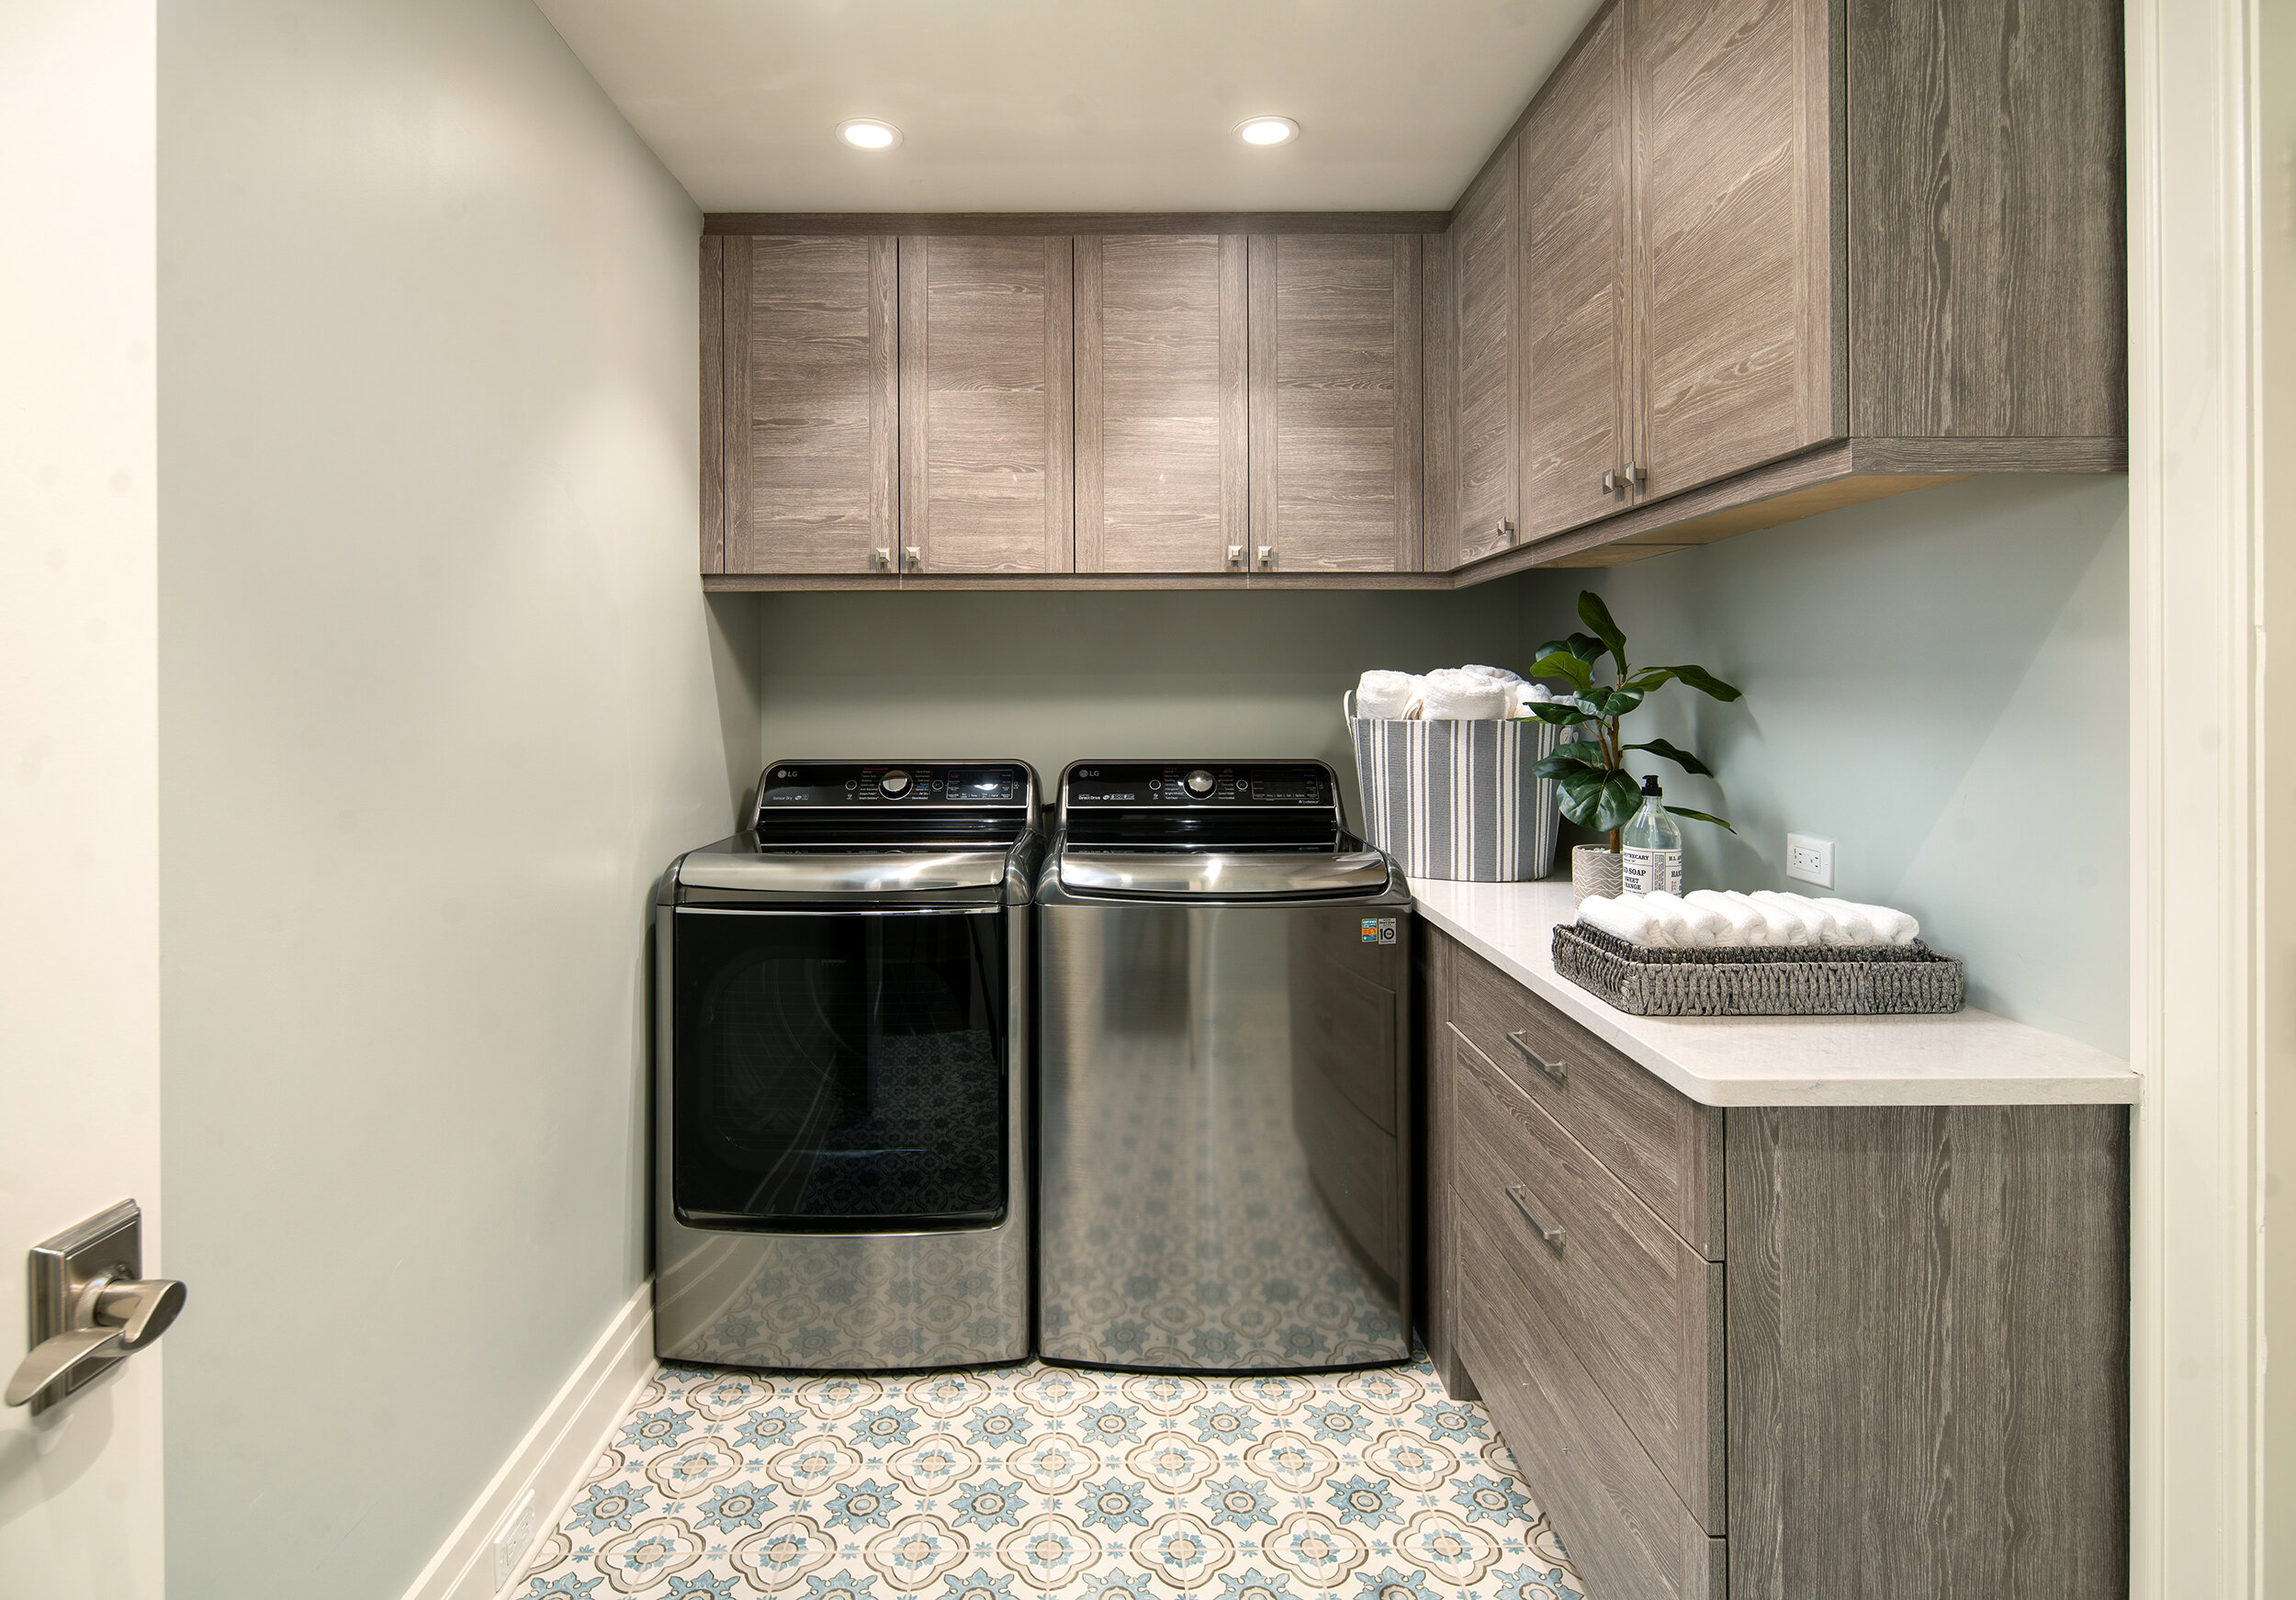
[[1832, 929], [1890, 927], [1625, 918], [1387, 697], [1748, 925], [1452, 696], [1693, 926], [1785, 916]]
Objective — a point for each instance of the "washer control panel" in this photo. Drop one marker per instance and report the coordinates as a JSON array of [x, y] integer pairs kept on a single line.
[[876, 784], [1134, 785]]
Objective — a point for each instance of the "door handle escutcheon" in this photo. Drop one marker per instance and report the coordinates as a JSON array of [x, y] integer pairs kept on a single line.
[[91, 1306]]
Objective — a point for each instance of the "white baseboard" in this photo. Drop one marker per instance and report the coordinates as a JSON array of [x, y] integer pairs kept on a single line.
[[554, 1457]]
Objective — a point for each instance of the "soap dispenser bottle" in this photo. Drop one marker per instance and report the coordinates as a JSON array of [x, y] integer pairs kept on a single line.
[[1653, 845]]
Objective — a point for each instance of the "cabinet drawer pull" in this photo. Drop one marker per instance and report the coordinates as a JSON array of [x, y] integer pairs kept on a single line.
[[1552, 1235], [1558, 1070]]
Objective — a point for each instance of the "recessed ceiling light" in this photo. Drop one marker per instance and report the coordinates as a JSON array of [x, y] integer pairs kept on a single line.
[[1268, 130], [868, 133]]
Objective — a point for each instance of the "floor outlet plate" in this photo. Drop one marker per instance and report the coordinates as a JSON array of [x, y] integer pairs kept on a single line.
[[512, 1543]]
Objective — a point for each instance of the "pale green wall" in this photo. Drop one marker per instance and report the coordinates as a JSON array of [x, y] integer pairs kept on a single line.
[[439, 696], [1056, 678], [1938, 684]]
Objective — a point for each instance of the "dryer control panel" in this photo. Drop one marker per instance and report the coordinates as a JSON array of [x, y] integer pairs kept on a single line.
[[1102, 784]]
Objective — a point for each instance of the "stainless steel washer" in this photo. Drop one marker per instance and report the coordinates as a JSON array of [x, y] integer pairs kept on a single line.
[[842, 1107], [1224, 1095]]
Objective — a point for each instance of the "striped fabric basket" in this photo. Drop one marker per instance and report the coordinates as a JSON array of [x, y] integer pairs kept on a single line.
[[1455, 799]]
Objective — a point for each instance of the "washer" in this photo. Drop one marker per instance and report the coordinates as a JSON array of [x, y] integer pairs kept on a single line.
[[1223, 1152], [842, 1106]]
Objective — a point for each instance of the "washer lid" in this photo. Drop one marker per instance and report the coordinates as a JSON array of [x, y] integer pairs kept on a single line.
[[843, 872], [1221, 876]]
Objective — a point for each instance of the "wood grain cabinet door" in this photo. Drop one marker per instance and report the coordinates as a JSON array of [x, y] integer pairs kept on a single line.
[[1575, 189], [1487, 271], [1734, 293], [1333, 334], [808, 469], [987, 404], [1160, 479]]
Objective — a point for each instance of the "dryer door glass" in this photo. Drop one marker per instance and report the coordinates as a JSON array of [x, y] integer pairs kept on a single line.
[[843, 1071]]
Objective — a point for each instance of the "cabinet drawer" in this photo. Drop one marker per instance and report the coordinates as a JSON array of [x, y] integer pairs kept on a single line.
[[1663, 1147], [1641, 1309], [1627, 1532]]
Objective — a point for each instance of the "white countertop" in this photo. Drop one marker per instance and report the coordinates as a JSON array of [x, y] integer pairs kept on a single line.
[[1969, 1058]]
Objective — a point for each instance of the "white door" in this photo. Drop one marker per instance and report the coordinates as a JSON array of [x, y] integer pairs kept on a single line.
[[80, 1501]]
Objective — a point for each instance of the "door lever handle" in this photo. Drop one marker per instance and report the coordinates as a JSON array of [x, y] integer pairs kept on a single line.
[[114, 1317], [56, 1357]]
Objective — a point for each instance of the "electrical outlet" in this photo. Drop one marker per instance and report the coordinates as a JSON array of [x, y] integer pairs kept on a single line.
[[513, 1540], [1810, 860]]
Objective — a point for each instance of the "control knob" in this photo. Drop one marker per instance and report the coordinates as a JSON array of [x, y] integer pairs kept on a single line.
[[1199, 783], [896, 783]]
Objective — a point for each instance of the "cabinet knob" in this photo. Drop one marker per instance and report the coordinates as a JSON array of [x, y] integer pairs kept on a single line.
[[1610, 481], [912, 558], [881, 558], [1505, 531], [1633, 476], [1267, 555], [1235, 555]]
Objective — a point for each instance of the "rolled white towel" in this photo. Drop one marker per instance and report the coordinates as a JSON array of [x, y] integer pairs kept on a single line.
[[1493, 674], [1387, 697], [1748, 925], [1856, 926], [1452, 696], [1693, 926], [1781, 927], [1808, 929], [1890, 927], [1828, 926], [1625, 918]]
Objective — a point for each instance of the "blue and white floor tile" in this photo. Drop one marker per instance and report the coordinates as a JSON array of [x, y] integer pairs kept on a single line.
[[1029, 1482]]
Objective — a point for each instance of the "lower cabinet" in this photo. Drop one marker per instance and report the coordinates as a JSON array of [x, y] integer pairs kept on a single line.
[[1905, 1375]]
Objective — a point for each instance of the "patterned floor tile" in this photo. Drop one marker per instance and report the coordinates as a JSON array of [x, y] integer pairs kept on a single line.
[[1035, 1482]]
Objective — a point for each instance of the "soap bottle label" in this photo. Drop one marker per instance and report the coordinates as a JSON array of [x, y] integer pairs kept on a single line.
[[1651, 872]]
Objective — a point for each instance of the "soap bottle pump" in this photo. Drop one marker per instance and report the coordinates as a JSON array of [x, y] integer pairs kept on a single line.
[[1653, 844]]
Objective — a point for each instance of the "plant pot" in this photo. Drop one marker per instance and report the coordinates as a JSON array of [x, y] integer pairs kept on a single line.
[[1596, 869]]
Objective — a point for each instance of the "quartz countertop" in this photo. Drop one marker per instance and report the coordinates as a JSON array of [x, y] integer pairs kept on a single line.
[[1967, 1058]]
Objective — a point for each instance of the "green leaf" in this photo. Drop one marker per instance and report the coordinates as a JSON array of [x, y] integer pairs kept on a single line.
[[1681, 758], [1619, 701], [1649, 678], [1562, 713], [1585, 752], [1620, 798], [1588, 649], [1580, 795], [1563, 664], [1597, 615], [1561, 766], [1705, 683], [1699, 816]]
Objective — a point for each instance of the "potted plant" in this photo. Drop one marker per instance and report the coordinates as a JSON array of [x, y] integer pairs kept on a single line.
[[1591, 778]]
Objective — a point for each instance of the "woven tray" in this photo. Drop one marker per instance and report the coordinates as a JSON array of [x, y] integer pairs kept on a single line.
[[1855, 981]]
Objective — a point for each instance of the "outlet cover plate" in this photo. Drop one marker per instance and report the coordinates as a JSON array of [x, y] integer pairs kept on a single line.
[[1810, 860], [513, 1540]]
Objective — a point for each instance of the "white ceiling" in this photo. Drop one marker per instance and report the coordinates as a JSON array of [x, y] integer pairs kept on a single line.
[[1069, 105]]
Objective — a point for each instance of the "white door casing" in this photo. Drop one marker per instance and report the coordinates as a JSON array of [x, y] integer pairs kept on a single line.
[[80, 1487]]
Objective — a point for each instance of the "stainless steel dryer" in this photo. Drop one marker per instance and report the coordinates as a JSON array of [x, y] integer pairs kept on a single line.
[[842, 1106], [1224, 1089]]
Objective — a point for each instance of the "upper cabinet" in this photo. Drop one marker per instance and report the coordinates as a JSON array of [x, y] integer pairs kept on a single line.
[[987, 404], [1475, 377], [1733, 286], [807, 401], [1160, 467], [1577, 337], [1333, 327]]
